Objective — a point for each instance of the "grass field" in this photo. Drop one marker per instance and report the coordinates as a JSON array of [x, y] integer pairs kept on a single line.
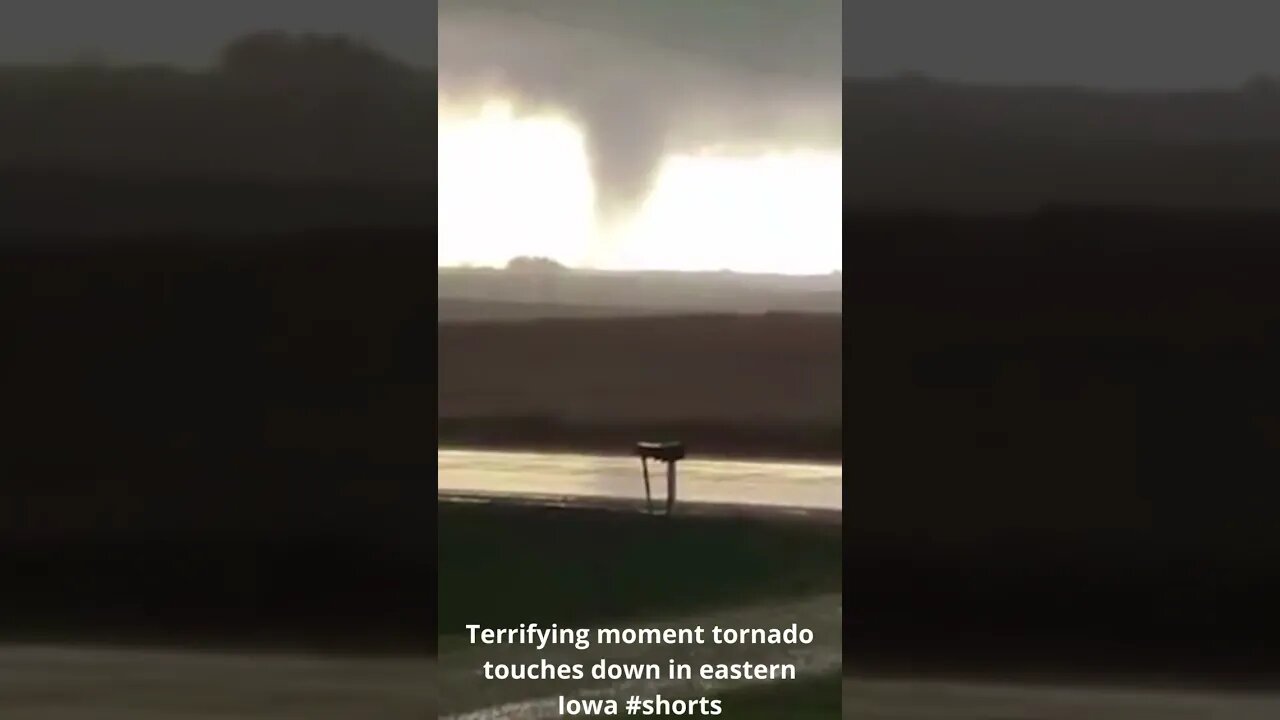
[[500, 567], [757, 385], [588, 566], [815, 698]]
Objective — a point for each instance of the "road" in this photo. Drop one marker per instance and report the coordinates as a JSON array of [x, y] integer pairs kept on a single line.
[[40, 682], [733, 482], [79, 683]]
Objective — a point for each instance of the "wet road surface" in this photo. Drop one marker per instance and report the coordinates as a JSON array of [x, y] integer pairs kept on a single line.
[[88, 683], [70, 683], [731, 482]]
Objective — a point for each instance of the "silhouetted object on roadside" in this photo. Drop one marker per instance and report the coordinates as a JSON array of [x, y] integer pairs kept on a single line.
[[669, 452]]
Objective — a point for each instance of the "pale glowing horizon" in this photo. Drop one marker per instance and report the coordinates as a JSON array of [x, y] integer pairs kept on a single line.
[[514, 185]]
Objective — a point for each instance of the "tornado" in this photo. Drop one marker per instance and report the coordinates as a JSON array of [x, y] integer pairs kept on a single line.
[[625, 147], [635, 101]]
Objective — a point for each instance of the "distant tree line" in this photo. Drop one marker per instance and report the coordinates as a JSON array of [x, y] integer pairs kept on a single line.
[[317, 107], [534, 265], [329, 108], [924, 143], [309, 60]]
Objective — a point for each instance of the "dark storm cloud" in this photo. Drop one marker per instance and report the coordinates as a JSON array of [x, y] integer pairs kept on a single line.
[[645, 79], [642, 76]]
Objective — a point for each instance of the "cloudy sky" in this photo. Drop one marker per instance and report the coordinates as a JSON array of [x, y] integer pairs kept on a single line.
[[191, 31], [1112, 43], [1103, 43], [707, 130]]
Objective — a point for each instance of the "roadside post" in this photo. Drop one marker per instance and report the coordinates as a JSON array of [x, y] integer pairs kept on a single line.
[[669, 452]]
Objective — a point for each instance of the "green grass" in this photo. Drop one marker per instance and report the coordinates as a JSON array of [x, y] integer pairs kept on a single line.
[[815, 698], [502, 566]]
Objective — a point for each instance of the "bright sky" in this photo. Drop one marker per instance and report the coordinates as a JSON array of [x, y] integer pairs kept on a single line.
[[514, 186]]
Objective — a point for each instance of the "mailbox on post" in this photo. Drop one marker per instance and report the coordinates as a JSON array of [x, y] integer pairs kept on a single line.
[[669, 452]]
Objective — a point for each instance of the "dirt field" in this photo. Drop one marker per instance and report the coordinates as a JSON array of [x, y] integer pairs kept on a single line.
[[750, 383]]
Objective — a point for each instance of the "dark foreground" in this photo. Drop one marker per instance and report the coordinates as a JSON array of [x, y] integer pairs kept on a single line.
[[1067, 426], [273, 610], [348, 594], [587, 565], [1064, 435], [573, 566], [99, 684]]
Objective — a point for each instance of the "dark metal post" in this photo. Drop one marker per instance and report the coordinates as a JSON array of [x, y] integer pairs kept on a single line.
[[671, 485], [648, 496]]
